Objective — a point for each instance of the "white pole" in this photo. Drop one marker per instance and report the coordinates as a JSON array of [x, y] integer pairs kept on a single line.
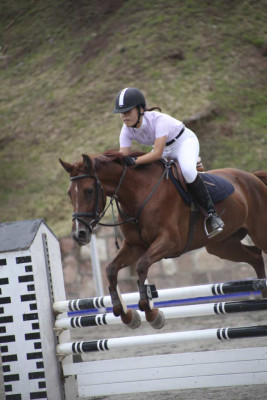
[[216, 334], [195, 310], [97, 276], [165, 295]]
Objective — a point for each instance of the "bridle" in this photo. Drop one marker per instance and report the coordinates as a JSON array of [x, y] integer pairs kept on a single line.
[[96, 215]]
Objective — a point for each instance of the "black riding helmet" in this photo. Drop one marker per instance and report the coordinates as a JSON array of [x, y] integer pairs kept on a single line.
[[127, 99]]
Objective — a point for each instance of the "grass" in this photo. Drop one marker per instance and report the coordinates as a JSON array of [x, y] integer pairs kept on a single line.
[[62, 63]]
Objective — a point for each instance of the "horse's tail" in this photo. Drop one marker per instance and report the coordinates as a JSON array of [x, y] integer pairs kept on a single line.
[[262, 175]]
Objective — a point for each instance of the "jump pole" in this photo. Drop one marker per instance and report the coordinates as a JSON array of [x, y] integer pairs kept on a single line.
[[197, 310], [97, 276], [217, 334], [252, 285]]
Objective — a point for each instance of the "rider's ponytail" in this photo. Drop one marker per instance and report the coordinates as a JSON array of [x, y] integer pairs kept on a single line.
[[152, 108]]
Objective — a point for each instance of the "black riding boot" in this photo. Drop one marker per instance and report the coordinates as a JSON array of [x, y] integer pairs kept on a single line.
[[201, 194]]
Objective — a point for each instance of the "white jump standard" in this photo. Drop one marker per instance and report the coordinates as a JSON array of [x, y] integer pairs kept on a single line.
[[31, 279]]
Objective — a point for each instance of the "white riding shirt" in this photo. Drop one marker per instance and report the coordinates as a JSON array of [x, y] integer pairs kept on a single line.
[[155, 125]]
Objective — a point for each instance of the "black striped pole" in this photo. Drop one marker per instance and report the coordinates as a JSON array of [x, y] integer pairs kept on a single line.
[[220, 334], [169, 313], [253, 285]]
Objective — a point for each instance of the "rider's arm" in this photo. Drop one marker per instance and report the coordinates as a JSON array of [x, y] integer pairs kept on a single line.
[[125, 150], [154, 155]]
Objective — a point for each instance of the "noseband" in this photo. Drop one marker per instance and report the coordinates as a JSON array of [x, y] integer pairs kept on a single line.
[[96, 214]]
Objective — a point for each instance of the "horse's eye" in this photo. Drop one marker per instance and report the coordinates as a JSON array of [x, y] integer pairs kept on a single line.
[[89, 193]]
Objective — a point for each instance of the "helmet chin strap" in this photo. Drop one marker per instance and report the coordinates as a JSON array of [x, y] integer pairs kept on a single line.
[[139, 117]]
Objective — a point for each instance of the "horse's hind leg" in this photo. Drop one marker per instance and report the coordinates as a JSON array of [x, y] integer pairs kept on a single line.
[[232, 249]]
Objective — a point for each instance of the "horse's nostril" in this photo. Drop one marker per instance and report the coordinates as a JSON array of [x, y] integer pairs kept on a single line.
[[81, 234]]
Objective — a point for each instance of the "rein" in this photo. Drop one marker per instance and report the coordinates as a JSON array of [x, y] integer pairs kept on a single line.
[[97, 215]]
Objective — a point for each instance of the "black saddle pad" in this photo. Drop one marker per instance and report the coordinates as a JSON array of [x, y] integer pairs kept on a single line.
[[218, 187]]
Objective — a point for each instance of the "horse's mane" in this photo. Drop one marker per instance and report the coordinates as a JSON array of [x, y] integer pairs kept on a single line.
[[113, 156], [109, 156], [104, 159]]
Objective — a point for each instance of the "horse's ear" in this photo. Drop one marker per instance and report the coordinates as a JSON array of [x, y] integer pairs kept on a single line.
[[68, 167], [87, 162]]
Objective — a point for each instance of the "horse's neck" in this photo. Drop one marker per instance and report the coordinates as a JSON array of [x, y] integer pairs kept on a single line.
[[132, 183], [110, 177]]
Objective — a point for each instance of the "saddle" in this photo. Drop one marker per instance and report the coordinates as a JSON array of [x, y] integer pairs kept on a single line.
[[218, 187]]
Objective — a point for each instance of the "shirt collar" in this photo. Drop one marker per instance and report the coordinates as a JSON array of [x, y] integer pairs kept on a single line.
[[143, 126]]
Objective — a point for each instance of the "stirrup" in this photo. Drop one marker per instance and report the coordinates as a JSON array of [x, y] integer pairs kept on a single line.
[[215, 231]]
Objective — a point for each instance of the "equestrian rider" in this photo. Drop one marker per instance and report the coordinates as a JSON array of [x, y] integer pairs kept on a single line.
[[170, 138]]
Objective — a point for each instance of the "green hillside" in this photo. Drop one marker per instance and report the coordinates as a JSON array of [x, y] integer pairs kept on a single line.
[[62, 63]]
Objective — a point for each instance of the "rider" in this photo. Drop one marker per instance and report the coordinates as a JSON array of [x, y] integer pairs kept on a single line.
[[170, 138]]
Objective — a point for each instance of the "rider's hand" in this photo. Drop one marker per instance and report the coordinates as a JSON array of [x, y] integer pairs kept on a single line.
[[130, 160]]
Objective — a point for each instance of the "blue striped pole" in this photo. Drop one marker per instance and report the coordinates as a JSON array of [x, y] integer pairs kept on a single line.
[[169, 313], [253, 285]]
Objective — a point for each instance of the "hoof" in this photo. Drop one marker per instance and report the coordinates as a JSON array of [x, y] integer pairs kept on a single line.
[[132, 319], [159, 321], [136, 320]]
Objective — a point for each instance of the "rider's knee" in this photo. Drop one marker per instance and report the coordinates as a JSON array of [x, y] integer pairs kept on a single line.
[[189, 173]]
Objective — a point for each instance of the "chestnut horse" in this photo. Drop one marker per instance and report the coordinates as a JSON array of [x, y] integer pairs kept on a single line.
[[155, 220]]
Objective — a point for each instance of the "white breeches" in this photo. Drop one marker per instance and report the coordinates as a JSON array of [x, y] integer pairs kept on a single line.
[[186, 151]]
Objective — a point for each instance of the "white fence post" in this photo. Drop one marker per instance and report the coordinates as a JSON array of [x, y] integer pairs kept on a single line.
[[97, 275]]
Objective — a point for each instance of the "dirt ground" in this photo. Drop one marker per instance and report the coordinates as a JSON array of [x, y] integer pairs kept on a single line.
[[255, 392]]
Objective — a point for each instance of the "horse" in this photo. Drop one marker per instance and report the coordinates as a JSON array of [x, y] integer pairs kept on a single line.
[[155, 220]]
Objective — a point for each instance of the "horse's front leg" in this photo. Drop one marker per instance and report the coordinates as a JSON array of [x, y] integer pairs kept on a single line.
[[126, 256], [158, 250]]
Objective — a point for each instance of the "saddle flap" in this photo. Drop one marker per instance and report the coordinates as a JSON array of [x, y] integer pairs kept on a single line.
[[177, 173]]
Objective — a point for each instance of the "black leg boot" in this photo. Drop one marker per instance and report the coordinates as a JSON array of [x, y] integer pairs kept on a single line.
[[200, 193]]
